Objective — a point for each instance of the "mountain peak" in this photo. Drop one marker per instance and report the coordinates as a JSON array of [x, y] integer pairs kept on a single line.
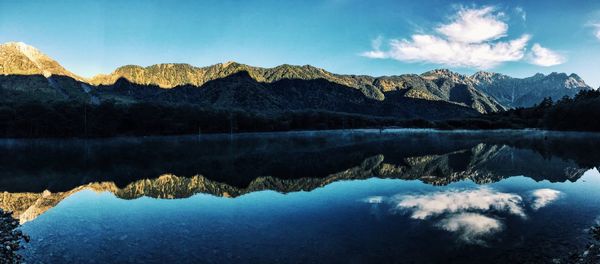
[[154, 66], [558, 74], [539, 75], [483, 77], [228, 65], [22, 59], [575, 77], [486, 74], [26, 54], [128, 67], [443, 73], [446, 74], [29, 51], [574, 81]]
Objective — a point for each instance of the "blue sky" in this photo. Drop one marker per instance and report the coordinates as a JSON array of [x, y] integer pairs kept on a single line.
[[375, 37]]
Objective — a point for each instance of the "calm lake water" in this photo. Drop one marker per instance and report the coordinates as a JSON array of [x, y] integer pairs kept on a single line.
[[363, 196]]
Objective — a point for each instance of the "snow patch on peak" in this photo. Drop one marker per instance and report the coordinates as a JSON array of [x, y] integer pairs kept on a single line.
[[32, 53]]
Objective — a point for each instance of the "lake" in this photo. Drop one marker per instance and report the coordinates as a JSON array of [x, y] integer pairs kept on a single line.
[[356, 196]]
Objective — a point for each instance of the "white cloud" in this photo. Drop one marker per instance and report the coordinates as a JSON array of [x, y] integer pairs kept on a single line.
[[483, 199], [474, 26], [545, 57], [432, 49], [543, 197], [473, 38], [376, 53], [597, 31], [471, 227]]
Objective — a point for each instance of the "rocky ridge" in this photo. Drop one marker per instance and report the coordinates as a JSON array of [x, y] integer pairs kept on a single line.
[[27, 72]]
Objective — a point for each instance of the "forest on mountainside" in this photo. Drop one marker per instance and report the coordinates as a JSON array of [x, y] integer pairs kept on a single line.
[[580, 113], [76, 119]]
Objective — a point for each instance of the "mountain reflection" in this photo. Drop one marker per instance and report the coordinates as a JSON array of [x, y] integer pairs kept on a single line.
[[38, 175]]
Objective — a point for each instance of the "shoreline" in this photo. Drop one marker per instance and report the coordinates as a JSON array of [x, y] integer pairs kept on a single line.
[[11, 238], [388, 130]]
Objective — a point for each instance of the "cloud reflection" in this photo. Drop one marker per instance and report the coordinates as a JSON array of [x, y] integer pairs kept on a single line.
[[483, 199], [471, 214], [543, 197], [374, 199], [471, 227]]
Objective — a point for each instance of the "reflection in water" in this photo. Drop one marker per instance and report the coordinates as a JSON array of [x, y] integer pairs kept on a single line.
[[483, 199], [421, 191], [397, 156], [27, 206], [471, 226], [332, 224], [543, 197], [473, 214], [61, 165]]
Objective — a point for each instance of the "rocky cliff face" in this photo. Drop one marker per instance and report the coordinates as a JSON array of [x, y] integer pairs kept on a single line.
[[525, 92], [20, 58], [460, 88], [27, 74]]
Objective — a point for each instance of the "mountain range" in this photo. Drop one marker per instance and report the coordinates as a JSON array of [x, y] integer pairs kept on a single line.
[[482, 164], [27, 74]]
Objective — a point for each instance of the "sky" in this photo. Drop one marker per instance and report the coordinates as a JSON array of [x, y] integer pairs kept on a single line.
[[373, 37]]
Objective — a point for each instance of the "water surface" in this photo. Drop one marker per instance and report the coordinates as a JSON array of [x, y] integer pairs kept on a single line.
[[401, 196]]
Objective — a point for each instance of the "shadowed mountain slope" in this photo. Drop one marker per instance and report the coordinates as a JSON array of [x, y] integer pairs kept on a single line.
[[28, 75], [410, 86], [241, 91]]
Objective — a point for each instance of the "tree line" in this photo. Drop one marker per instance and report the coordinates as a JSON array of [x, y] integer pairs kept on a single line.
[[76, 119], [580, 113]]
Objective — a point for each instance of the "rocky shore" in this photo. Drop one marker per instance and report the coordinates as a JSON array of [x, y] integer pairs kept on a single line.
[[591, 255], [10, 238]]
